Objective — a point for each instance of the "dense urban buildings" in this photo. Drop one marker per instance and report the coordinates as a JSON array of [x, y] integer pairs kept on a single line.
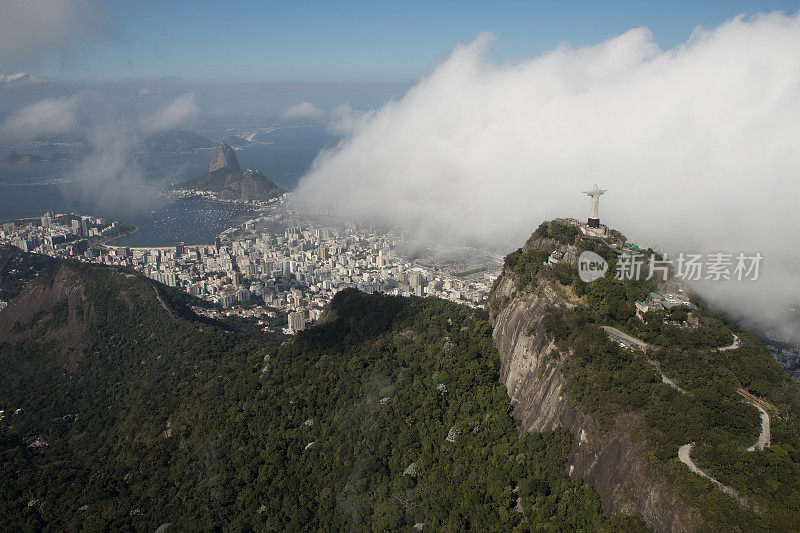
[[282, 261]]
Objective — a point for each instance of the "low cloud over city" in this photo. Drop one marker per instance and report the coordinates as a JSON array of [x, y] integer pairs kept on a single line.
[[696, 144]]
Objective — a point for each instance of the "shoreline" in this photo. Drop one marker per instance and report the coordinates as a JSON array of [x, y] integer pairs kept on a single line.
[[106, 240]]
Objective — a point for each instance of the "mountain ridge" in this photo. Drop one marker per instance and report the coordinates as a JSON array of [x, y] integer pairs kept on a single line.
[[562, 370], [176, 141], [134, 412], [15, 157], [124, 411]]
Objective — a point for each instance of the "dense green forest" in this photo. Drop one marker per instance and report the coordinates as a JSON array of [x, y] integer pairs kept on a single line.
[[612, 383], [388, 414]]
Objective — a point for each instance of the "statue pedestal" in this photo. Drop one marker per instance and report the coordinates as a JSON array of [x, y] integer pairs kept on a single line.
[[594, 223]]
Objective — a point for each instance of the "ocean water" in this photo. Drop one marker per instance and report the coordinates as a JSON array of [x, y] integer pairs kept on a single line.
[[188, 220], [289, 155], [31, 189]]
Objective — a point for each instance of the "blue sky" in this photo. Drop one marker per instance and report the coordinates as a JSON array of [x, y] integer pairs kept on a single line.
[[357, 40]]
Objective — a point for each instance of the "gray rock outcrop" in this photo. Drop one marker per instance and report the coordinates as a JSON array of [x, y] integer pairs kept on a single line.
[[224, 156], [532, 371]]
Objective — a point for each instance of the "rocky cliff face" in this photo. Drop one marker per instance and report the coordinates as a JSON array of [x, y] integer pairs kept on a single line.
[[531, 369], [223, 157], [40, 297], [36, 305]]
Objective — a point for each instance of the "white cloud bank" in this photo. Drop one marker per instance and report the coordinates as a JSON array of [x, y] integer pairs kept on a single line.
[[51, 116], [179, 112], [303, 110], [698, 146], [20, 78], [344, 120]]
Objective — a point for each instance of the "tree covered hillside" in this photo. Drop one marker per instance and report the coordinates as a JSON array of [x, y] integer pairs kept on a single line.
[[123, 411]]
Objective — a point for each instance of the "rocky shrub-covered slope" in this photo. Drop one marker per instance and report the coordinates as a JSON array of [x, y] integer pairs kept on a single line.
[[627, 421]]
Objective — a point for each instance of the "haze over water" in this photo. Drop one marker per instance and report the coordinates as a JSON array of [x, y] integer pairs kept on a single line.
[[31, 189]]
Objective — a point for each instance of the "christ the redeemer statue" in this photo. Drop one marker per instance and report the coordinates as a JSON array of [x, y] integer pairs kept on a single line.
[[594, 217]]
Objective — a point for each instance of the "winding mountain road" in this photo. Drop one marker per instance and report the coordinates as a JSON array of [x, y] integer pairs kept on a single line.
[[684, 452], [765, 435], [735, 344], [627, 340]]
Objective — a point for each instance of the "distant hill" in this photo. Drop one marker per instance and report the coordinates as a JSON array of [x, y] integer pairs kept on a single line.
[[235, 184], [228, 182], [14, 157], [180, 142]]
